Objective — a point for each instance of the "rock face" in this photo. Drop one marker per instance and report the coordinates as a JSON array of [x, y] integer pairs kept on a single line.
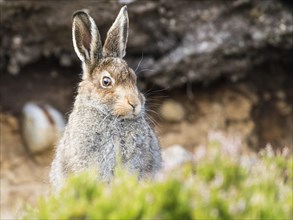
[[181, 41]]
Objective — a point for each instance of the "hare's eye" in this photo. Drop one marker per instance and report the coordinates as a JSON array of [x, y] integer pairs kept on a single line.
[[106, 81]]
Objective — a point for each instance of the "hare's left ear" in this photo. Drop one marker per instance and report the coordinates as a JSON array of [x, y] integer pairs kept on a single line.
[[115, 44], [86, 38]]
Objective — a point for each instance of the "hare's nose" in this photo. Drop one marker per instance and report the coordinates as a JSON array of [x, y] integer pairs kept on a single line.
[[132, 105]]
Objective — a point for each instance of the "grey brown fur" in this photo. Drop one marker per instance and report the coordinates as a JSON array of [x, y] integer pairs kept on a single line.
[[108, 120]]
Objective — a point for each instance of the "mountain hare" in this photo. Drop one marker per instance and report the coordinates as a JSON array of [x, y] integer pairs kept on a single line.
[[108, 117]]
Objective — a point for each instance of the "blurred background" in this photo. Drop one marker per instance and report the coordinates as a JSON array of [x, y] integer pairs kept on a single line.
[[206, 67]]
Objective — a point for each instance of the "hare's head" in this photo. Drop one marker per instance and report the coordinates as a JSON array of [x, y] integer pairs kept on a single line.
[[107, 79]]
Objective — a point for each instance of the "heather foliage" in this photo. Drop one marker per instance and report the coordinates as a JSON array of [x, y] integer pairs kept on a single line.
[[216, 187]]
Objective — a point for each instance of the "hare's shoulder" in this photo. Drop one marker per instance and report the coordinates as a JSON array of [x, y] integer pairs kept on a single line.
[[89, 116]]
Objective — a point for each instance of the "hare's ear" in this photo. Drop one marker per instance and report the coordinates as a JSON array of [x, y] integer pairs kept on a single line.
[[86, 38], [115, 44]]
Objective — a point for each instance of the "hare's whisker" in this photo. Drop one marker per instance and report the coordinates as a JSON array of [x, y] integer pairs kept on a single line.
[[143, 70], [139, 62], [159, 90], [103, 119], [150, 110], [149, 90]]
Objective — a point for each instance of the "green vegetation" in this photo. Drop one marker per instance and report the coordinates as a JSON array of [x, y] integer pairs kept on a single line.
[[216, 187]]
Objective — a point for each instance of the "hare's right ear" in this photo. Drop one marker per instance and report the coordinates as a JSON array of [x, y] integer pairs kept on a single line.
[[115, 43], [86, 38]]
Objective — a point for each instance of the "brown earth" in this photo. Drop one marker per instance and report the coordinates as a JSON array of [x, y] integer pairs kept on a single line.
[[22, 178]]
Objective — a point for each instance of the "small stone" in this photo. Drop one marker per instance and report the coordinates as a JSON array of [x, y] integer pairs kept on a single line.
[[172, 111], [126, 1], [54, 74], [65, 60], [175, 156], [237, 107], [13, 67], [46, 52], [280, 94], [41, 126], [284, 108], [267, 96], [22, 58], [16, 42]]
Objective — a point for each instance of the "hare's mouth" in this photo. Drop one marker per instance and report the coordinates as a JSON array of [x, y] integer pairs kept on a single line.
[[127, 111], [131, 115]]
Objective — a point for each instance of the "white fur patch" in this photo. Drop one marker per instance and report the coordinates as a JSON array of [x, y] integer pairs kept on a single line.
[[121, 43], [93, 45], [80, 56]]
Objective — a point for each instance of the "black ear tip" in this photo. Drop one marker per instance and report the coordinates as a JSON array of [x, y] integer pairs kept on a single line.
[[79, 13], [124, 8]]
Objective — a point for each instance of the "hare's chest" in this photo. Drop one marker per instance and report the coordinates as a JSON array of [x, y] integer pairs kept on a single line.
[[124, 139], [129, 144]]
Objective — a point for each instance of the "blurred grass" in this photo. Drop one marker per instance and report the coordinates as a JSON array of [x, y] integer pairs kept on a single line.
[[216, 187]]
